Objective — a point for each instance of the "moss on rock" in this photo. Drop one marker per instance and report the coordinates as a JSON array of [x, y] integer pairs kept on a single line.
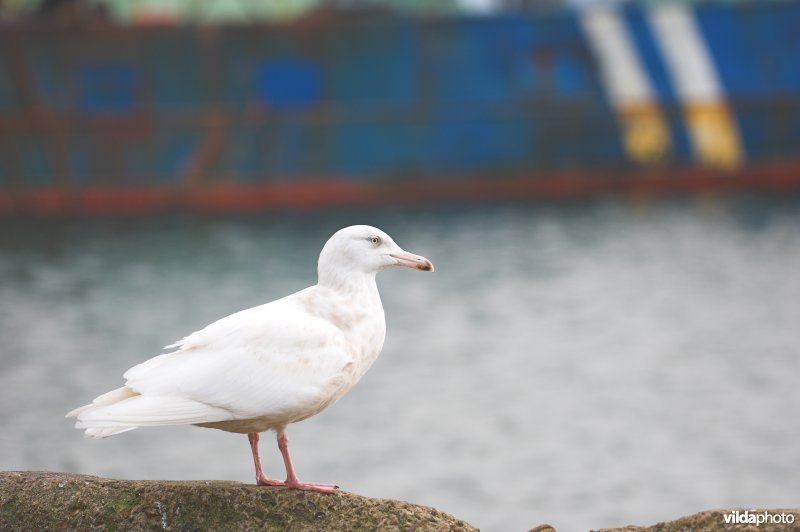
[[46, 501]]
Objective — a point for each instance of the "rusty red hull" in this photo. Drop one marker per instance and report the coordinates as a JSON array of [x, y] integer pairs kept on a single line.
[[332, 192]]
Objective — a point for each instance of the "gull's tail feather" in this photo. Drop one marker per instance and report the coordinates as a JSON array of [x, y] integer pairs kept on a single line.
[[123, 409], [106, 432], [109, 398]]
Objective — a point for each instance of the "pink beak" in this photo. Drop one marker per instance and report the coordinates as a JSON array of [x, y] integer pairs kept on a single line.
[[409, 260]]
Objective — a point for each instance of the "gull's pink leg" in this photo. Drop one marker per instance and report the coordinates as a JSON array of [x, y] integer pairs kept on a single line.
[[291, 478], [261, 478]]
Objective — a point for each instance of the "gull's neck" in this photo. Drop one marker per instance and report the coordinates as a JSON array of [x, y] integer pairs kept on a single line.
[[350, 283]]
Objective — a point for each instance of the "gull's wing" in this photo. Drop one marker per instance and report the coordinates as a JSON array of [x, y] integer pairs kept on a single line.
[[274, 360]]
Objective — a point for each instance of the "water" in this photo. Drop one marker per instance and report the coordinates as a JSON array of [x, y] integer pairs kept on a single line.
[[587, 365]]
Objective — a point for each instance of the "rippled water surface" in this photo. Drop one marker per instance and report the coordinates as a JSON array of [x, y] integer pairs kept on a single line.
[[586, 365]]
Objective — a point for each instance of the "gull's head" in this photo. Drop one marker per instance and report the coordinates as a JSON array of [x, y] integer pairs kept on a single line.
[[365, 249]]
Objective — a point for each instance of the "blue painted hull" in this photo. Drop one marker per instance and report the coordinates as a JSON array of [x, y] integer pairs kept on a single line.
[[380, 102]]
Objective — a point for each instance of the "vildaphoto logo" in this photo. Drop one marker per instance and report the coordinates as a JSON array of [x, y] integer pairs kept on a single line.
[[751, 517]]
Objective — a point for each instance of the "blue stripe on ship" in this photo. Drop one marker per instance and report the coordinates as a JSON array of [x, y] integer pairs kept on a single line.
[[757, 54], [656, 71]]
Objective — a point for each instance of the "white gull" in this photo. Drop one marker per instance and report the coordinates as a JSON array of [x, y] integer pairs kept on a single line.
[[265, 367]]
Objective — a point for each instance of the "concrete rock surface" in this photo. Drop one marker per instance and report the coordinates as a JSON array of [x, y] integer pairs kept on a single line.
[[40, 500]]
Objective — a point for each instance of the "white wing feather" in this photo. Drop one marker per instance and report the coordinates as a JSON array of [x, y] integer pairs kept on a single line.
[[272, 360]]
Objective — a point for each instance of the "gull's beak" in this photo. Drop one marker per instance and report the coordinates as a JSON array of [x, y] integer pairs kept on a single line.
[[409, 260]]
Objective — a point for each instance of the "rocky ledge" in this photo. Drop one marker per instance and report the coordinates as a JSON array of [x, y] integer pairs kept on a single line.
[[40, 500], [36, 500]]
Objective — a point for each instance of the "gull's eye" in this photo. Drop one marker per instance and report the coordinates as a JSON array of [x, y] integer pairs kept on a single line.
[[375, 240]]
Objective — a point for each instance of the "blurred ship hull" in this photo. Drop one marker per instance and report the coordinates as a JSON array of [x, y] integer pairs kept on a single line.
[[381, 110]]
